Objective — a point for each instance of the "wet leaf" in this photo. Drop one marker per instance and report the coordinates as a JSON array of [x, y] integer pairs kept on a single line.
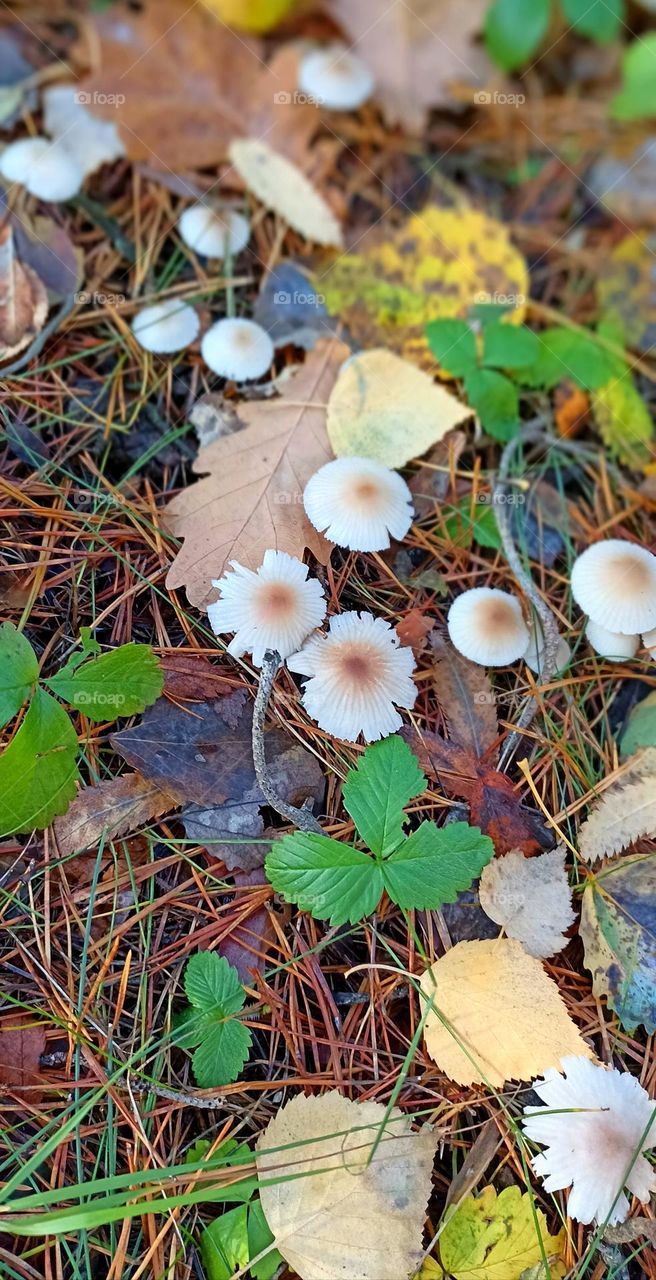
[[618, 930]]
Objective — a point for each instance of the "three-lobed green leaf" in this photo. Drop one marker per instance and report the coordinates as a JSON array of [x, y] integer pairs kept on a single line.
[[386, 778], [435, 864], [215, 995], [119, 683], [331, 880], [38, 770]]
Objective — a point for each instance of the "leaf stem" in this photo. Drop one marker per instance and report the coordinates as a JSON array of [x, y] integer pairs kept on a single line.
[[301, 818]]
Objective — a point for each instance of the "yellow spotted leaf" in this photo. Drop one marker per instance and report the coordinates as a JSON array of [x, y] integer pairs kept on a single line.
[[385, 408], [624, 420], [497, 1015], [626, 290], [251, 15], [437, 264], [498, 1237]]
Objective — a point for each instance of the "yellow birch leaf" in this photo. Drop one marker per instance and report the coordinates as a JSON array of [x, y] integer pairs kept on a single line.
[[437, 265], [382, 407], [495, 1237], [280, 185], [506, 1017], [624, 420]]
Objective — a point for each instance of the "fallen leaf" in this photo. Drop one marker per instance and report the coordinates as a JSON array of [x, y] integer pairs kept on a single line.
[[625, 812], [382, 407], [626, 289], [252, 497], [496, 1237], [464, 692], [335, 1207], [247, 944], [191, 677], [22, 1043], [416, 52], [251, 15], [214, 416], [23, 299], [530, 898], [45, 247], [290, 310], [572, 406], [414, 629], [17, 89], [618, 930], [640, 730], [502, 1008], [110, 809], [437, 264], [282, 187], [91, 141], [626, 184], [624, 421]]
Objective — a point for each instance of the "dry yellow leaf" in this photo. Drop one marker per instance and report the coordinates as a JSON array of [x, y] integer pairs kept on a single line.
[[436, 265], [281, 186], [385, 408], [336, 1214], [625, 812], [530, 897], [502, 1008]]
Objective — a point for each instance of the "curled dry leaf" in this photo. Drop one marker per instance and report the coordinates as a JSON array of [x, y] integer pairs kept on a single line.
[[281, 186], [23, 299], [342, 1211], [625, 812], [530, 898], [251, 496], [382, 407], [506, 1018], [108, 810]]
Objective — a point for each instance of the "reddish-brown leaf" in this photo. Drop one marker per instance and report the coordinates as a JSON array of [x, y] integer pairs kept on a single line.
[[414, 629], [247, 943], [465, 695], [22, 1042], [191, 677]]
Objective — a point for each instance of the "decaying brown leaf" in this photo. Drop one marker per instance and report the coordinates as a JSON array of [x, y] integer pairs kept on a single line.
[[251, 496], [110, 809], [23, 299], [191, 677], [464, 692], [333, 1208], [22, 1042], [625, 812], [416, 51]]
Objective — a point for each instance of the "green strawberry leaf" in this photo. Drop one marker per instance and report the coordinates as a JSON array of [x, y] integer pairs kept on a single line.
[[565, 354], [514, 30], [118, 683], [215, 993], [435, 864], [376, 792], [453, 344], [38, 770], [600, 20], [636, 99], [331, 880], [211, 983], [19, 671], [462, 527], [509, 346], [496, 402], [224, 1244], [222, 1053]]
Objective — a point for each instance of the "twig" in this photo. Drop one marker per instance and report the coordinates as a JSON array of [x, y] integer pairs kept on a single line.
[[301, 818]]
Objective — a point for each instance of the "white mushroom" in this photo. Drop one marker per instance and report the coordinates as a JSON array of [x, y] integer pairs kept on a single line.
[[46, 169], [358, 671], [166, 326], [212, 234], [358, 503], [614, 582], [613, 645], [275, 607], [649, 641], [534, 656], [335, 78], [487, 626], [237, 349]]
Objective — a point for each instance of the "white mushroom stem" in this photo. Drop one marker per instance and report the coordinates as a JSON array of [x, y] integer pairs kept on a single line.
[[301, 818]]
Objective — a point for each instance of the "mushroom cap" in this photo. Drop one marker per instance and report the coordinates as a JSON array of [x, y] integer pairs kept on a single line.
[[212, 234], [273, 607], [614, 645], [335, 77], [237, 349], [166, 326], [357, 672], [649, 641], [45, 168], [534, 656], [488, 627], [91, 141], [614, 582], [358, 503]]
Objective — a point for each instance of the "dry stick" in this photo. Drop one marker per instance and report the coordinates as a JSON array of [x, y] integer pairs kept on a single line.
[[549, 624], [301, 818]]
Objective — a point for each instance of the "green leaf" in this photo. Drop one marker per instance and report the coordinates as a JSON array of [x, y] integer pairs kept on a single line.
[[567, 354], [641, 728], [637, 97], [189, 1026], [435, 864], [462, 527], [618, 930], [224, 1244], [331, 880], [453, 344], [509, 346], [601, 20], [38, 769], [497, 1237], [260, 1237], [211, 982], [514, 30], [376, 792], [119, 683], [19, 671], [222, 1053], [496, 402]]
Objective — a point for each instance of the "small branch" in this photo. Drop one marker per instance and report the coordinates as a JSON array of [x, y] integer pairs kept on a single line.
[[301, 818]]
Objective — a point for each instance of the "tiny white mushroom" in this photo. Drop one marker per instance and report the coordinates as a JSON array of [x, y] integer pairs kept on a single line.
[[46, 169], [166, 326], [274, 607], [534, 656], [358, 503], [487, 626], [335, 78], [237, 349], [613, 645], [614, 582], [213, 234]]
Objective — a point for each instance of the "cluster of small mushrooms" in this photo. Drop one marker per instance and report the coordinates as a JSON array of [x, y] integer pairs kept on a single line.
[[358, 673]]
